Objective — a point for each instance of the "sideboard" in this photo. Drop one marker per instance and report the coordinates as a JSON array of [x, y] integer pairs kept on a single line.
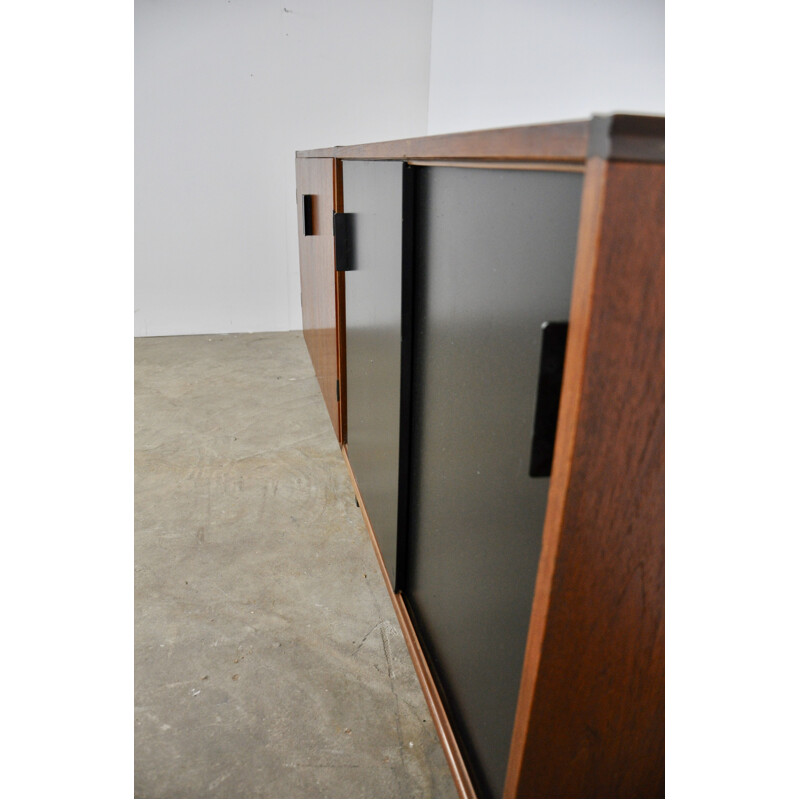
[[485, 316]]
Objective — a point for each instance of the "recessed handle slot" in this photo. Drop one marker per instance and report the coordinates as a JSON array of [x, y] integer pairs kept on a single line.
[[308, 215], [548, 397]]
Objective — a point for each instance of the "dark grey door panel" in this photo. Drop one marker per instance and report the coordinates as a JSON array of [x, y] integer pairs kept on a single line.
[[375, 284], [494, 255]]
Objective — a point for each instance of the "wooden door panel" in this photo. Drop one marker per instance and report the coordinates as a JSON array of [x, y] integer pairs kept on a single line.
[[320, 298]]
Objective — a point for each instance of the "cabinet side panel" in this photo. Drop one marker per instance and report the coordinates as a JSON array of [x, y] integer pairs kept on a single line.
[[590, 722], [318, 291]]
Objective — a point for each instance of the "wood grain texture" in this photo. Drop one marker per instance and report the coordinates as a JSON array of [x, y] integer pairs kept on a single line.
[[447, 738], [565, 141], [615, 137], [545, 166], [318, 278], [590, 716]]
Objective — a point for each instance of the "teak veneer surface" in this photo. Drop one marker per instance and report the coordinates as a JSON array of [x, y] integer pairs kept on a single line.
[[614, 137], [318, 279], [590, 713]]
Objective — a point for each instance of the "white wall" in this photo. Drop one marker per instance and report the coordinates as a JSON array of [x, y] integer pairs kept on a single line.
[[512, 62], [225, 92]]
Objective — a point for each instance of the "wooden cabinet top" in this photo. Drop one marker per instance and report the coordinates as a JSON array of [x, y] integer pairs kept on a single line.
[[615, 137]]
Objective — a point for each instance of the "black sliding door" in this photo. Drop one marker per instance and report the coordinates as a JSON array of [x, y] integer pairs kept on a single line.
[[493, 260], [377, 197]]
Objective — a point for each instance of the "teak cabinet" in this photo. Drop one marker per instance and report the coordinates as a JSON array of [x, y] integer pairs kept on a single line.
[[485, 315]]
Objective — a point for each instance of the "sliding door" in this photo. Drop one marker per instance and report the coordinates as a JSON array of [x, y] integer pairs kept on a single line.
[[374, 248], [494, 254]]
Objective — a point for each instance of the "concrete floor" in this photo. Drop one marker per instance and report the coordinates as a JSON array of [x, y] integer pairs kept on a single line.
[[269, 662]]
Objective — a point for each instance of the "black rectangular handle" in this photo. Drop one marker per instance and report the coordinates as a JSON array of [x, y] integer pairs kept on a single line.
[[343, 241], [548, 396], [308, 215]]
